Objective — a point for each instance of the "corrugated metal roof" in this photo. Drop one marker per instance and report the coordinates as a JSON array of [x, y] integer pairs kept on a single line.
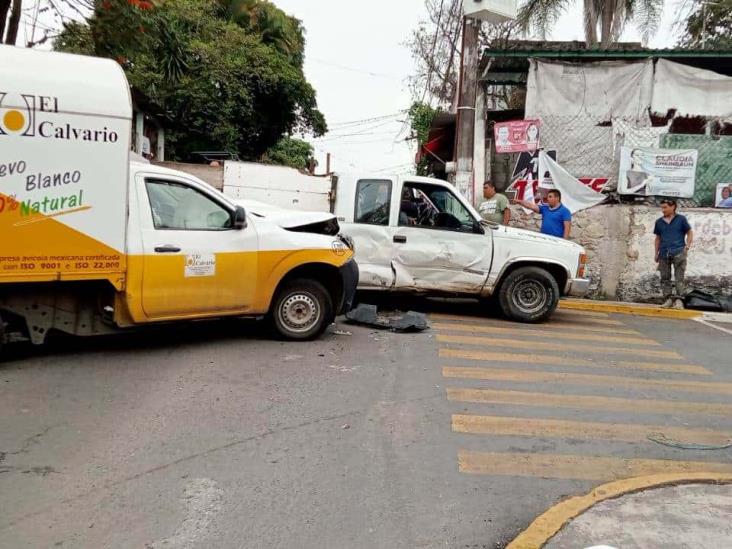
[[512, 59]]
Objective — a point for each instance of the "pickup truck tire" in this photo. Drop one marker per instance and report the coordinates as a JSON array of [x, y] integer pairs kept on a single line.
[[529, 294], [302, 310]]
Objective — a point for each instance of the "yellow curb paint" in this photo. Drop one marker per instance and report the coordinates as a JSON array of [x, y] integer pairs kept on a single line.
[[580, 430], [585, 402], [526, 376], [576, 466], [553, 360], [551, 522], [552, 346], [627, 309], [598, 323], [586, 313], [554, 334]]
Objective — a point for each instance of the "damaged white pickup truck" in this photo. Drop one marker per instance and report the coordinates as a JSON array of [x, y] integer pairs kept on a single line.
[[417, 234]]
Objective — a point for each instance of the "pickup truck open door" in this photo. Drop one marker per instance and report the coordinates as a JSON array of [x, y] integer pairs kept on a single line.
[[414, 236], [438, 243]]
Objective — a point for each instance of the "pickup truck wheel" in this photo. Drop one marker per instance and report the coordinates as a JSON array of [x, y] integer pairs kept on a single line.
[[302, 310], [529, 294]]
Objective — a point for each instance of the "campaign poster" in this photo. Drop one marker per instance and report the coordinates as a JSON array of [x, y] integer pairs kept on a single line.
[[724, 196], [517, 136], [527, 165], [657, 172]]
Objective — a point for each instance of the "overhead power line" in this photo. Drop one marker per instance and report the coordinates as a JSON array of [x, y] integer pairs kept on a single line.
[[357, 70], [367, 120]]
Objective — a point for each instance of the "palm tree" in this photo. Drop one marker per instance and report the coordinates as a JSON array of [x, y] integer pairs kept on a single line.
[[609, 17]]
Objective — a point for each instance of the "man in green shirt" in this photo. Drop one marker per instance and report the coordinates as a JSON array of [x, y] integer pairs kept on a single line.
[[495, 208]]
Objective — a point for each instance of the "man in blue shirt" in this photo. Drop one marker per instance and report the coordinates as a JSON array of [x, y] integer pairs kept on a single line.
[[674, 238], [556, 219]]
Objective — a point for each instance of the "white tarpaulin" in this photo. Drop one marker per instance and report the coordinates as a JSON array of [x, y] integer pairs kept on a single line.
[[601, 90], [690, 91], [657, 172], [575, 195]]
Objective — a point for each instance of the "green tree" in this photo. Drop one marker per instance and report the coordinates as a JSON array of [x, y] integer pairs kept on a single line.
[[420, 120], [222, 85], [709, 26], [291, 152], [604, 18]]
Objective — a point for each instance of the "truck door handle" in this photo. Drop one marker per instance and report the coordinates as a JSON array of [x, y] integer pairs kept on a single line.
[[168, 249], [400, 239]]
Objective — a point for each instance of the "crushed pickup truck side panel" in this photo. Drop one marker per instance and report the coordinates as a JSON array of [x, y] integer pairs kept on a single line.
[[434, 260]]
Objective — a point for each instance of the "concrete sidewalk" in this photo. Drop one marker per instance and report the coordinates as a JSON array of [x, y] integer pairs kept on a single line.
[[691, 511]]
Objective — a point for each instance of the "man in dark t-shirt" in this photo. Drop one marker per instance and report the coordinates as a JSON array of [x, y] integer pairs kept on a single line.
[[674, 238]]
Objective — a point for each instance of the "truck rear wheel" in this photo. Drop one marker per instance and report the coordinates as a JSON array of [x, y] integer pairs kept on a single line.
[[529, 294], [302, 310]]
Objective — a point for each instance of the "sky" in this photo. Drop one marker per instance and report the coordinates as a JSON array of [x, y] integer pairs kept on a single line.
[[359, 64]]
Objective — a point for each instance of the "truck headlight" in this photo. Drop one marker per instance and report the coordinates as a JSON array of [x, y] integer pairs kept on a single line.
[[348, 241], [581, 266]]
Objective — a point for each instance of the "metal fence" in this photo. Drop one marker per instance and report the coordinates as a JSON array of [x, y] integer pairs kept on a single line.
[[714, 162], [588, 148]]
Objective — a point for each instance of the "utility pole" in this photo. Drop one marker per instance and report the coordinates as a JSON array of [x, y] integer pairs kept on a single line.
[[465, 125]]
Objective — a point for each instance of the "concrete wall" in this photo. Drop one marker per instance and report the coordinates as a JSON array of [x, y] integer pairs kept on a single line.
[[620, 246], [213, 175]]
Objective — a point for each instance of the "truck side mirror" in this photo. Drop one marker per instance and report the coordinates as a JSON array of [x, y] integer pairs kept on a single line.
[[240, 218]]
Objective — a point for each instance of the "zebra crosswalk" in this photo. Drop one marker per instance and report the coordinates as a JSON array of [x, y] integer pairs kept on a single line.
[[584, 377]]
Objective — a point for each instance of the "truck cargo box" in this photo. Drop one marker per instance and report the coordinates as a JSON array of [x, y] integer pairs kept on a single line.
[[64, 160]]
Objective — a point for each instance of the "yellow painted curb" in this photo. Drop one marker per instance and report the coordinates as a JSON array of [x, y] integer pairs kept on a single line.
[[627, 309], [548, 524]]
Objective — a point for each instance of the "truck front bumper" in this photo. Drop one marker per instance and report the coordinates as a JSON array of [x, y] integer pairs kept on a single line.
[[577, 287], [349, 275]]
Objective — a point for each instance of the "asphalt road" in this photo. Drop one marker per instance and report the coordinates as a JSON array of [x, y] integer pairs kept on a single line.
[[214, 436]]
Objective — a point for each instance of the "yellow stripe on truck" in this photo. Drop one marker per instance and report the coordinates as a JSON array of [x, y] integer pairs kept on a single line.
[[234, 271], [38, 248]]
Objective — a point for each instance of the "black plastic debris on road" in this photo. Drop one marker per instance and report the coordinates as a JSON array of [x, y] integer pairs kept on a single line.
[[368, 315]]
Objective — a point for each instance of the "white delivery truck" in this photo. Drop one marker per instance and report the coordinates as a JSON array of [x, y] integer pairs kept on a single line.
[[93, 243], [417, 234]]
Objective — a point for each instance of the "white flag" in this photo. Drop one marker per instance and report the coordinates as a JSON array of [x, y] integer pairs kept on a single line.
[[529, 194], [575, 195]]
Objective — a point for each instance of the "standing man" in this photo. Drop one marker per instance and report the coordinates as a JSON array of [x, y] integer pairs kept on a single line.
[[674, 238], [556, 219], [495, 208]]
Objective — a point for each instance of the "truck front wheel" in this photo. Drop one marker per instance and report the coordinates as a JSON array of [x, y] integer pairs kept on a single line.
[[529, 294], [302, 310]]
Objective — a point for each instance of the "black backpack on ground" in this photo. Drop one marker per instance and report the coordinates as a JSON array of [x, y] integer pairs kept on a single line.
[[704, 301]]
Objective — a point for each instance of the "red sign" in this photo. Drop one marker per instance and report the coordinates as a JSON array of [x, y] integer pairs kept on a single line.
[[517, 136], [539, 193]]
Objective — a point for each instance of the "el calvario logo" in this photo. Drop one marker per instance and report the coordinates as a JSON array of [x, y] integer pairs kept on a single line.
[[29, 115]]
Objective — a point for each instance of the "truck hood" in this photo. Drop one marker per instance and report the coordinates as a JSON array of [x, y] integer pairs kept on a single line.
[[292, 220], [512, 233]]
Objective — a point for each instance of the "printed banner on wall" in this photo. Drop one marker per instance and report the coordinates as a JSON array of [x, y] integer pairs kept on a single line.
[[517, 136], [724, 196], [657, 172]]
